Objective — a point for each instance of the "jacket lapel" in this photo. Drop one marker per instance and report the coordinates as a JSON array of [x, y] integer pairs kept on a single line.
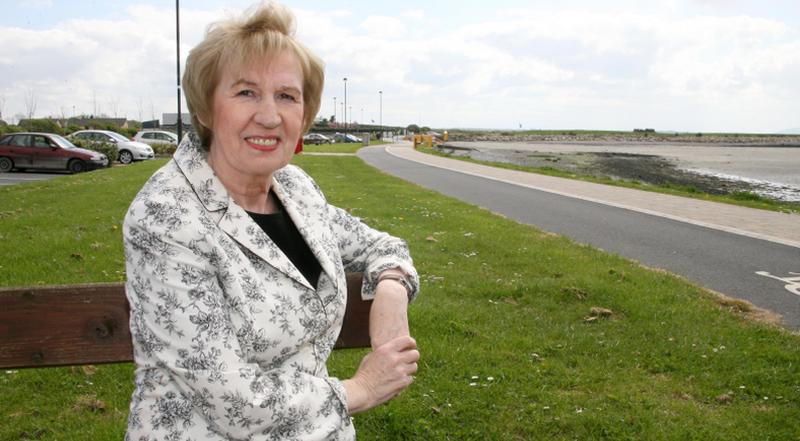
[[310, 225], [232, 219]]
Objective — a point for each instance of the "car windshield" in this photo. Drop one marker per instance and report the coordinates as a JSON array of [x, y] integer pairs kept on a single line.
[[62, 142], [116, 136]]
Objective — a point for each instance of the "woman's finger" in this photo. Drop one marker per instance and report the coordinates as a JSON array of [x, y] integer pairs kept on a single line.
[[402, 343]]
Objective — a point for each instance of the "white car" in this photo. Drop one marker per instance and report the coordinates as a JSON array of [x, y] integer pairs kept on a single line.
[[128, 151], [156, 137]]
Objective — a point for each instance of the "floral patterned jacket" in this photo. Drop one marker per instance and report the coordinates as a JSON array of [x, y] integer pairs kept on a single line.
[[230, 340]]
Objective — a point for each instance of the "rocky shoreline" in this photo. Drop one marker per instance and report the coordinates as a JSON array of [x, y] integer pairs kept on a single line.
[[634, 138], [644, 168]]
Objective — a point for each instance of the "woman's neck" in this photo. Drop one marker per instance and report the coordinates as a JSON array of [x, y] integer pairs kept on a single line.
[[251, 194]]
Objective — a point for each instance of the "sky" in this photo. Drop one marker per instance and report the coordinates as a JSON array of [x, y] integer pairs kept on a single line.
[[672, 65]]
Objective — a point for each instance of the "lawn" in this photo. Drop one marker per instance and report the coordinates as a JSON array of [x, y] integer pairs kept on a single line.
[[512, 348], [339, 147]]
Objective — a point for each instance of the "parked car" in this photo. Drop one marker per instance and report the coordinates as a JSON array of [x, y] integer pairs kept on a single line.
[[341, 137], [156, 137], [46, 151], [316, 138], [129, 151]]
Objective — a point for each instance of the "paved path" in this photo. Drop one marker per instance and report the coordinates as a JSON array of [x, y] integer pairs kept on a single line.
[[695, 239], [23, 177], [761, 224]]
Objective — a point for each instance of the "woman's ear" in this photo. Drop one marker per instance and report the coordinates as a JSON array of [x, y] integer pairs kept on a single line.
[[202, 119]]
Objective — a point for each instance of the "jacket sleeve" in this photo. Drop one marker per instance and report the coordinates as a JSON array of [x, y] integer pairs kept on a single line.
[[183, 334], [364, 249]]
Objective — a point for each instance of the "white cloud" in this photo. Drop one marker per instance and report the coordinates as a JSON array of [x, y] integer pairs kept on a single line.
[[543, 68], [381, 26]]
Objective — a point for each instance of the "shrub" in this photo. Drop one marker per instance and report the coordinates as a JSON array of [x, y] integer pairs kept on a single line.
[[72, 128], [129, 132], [162, 149], [9, 129], [106, 148], [42, 125]]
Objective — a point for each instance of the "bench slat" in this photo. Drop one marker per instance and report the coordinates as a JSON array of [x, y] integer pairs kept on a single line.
[[88, 324]]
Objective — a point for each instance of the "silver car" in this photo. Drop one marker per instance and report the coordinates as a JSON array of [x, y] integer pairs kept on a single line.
[[317, 138], [129, 151], [156, 137]]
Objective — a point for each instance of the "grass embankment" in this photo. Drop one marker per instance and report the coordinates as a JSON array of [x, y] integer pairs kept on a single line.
[[511, 349], [744, 199], [340, 147]]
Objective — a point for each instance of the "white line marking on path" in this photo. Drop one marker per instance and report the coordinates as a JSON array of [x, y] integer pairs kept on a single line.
[[792, 283]]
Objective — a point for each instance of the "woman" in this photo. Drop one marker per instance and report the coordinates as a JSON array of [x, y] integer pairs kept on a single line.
[[236, 263]]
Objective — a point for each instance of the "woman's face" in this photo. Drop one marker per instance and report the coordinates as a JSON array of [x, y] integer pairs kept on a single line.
[[258, 118]]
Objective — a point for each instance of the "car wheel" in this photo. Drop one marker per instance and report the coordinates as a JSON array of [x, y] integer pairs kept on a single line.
[[6, 165], [76, 166], [125, 157]]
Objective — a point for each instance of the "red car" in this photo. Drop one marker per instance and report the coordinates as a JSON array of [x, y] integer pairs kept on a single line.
[[46, 151]]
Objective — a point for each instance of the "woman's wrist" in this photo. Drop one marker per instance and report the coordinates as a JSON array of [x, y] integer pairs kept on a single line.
[[397, 278], [356, 396]]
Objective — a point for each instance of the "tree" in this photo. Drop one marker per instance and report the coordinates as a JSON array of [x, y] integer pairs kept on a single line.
[[413, 128], [139, 105], [113, 103], [30, 103]]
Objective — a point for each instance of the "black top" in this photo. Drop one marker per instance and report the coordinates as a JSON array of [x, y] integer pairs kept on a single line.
[[280, 228]]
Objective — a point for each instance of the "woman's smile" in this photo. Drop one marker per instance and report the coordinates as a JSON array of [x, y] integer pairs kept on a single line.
[[264, 144]]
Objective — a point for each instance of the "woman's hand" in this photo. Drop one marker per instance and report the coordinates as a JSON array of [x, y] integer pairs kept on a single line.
[[382, 375]]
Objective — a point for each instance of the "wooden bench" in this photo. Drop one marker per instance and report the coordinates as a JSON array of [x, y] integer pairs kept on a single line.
[[88, 324]]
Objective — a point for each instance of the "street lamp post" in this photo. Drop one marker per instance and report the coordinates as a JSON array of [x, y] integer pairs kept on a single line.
[[345, 107], [380, 113], [178, 62]]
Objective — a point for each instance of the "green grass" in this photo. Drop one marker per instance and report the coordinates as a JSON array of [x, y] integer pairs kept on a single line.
[[499, 300], [743, 198], [340, 147]]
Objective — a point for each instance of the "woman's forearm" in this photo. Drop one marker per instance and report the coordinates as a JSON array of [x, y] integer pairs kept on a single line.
[[388, 317]]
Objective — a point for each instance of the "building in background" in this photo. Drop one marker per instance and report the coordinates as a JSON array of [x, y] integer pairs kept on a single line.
[[169, 121]]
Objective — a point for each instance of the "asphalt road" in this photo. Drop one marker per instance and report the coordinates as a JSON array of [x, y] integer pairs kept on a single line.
[[16, 177], [725, 262]]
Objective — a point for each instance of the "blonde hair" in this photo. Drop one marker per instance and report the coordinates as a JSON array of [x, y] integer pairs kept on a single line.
[[260, 34]]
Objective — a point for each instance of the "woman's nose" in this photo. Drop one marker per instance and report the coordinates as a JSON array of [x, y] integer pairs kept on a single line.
[[267, 113]]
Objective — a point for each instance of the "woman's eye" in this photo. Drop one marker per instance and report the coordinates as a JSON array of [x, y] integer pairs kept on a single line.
[[288, 97], [246, 92]]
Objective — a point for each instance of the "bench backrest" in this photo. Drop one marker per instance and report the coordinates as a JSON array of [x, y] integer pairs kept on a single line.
[[88, 324]]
